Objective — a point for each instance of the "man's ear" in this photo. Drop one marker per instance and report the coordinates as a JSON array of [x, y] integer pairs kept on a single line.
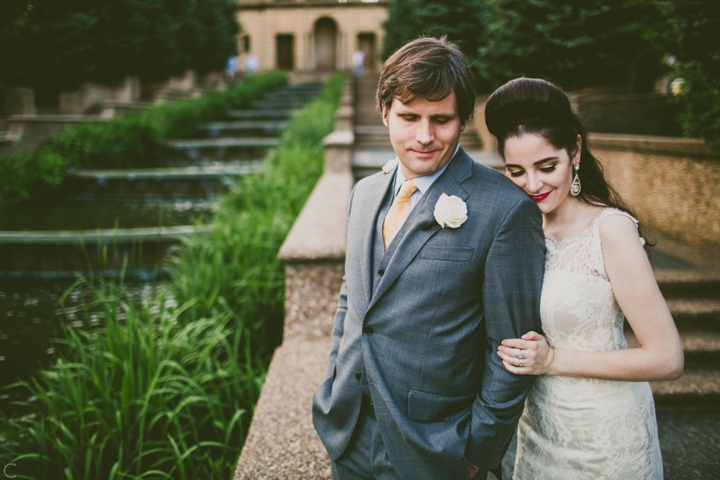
[[385, 113], [462, 127]]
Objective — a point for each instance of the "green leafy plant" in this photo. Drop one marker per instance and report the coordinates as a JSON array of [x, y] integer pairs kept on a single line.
[[166, 388], [131, 141], [687, 32]]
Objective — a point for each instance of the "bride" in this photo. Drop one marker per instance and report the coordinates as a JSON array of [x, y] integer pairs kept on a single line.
[[590, 414]]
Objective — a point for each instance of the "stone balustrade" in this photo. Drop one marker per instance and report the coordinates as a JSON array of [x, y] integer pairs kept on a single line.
[[671, 183], [282, 443]]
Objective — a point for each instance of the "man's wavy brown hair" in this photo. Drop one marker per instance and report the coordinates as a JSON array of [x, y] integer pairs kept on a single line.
[[430, 68]]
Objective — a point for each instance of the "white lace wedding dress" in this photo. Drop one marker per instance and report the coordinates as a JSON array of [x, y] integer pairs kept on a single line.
[[583, 428]]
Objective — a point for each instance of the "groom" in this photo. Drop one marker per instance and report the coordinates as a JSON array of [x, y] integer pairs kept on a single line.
[[444, 260]]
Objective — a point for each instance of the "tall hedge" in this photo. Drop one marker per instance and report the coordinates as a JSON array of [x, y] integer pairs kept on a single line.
[[460, 20], [577, 44], [687, 32], [53, 46]]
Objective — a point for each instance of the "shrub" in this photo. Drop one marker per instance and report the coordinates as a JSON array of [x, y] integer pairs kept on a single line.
[[166, 389], [130, 141], [575, 44], [689, 32]]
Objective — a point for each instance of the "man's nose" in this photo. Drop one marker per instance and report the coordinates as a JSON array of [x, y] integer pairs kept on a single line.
[[425, 133]]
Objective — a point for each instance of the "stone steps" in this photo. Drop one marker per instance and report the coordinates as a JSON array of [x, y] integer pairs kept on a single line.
[[249, 148], [701, 348], [259, 114], [242, 128], [697, 387]]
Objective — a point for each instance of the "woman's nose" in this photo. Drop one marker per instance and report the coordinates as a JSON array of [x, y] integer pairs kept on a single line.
[[534, 184]]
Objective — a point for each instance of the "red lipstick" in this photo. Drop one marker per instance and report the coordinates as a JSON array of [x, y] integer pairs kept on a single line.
[[541, 197]]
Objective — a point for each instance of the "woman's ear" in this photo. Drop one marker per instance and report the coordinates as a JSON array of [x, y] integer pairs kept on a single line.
[[578, 150]]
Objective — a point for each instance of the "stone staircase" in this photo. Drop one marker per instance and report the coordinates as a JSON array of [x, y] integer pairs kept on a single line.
[[689, 278]]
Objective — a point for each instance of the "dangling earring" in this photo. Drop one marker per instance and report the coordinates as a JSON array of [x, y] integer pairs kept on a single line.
[[575, 187]]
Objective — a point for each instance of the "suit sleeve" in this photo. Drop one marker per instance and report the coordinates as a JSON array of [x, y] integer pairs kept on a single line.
[[339, 321], [338, 327], [513, 276]]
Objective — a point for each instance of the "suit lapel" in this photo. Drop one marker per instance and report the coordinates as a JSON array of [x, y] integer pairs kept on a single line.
[[421, 224], [369, 218]]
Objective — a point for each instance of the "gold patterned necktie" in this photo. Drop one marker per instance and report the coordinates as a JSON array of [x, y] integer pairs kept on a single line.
[[398, 212]]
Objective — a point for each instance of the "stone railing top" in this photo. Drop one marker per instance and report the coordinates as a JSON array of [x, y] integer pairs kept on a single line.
[[126, 235], [321, 228], [345, 111], [310, 3], [683, 147], [122, 103], [340, 138], [54, 119]]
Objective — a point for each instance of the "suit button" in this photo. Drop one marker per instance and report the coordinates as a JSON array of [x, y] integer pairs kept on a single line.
[[358, 375], [381, 272], [368, 330]]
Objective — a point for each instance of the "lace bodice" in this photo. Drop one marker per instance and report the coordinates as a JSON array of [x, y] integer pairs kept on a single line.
[[582, 428]]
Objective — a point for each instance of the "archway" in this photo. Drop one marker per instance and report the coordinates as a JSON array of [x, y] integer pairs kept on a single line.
[[325, 44]]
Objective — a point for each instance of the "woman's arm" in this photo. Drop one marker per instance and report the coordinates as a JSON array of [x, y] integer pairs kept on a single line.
[[659, 356]]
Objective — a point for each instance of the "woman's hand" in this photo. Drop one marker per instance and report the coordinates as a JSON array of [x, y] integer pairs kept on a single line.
[[389, 166], [527, 355]]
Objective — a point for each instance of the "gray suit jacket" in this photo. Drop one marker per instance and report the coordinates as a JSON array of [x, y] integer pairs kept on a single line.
[[427, 335]]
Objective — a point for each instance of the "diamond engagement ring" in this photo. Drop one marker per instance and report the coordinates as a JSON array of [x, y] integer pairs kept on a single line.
[[520, 356]]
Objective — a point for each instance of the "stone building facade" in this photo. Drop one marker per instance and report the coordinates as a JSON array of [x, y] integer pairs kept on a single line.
[[311, 35]]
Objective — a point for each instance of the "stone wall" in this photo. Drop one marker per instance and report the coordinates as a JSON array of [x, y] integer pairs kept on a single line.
[[282, 443], [90, 96], [262, 22], [671, 183]]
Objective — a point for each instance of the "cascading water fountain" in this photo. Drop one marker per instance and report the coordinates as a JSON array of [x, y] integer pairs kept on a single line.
[[110, 221]]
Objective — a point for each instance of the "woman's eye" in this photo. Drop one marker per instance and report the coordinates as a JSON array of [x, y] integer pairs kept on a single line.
[[549, 168], [516, 173]]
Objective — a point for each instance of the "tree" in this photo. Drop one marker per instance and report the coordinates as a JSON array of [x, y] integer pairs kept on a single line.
[[460, 20], [688, 32], [575, 44], [56, 46]]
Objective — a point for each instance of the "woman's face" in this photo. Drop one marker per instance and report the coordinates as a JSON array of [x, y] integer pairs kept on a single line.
[[541, 170]]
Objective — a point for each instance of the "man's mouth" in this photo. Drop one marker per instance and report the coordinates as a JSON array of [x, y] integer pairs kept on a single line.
[[424, 153]]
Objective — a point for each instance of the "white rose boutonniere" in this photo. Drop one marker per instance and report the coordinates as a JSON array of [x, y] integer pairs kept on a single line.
[[450, 211]]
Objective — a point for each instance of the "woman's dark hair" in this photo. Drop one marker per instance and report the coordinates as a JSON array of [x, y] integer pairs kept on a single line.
[[533, 105]]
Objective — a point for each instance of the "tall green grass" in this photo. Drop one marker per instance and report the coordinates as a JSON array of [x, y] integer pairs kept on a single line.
[[134, 140], [167, 387]]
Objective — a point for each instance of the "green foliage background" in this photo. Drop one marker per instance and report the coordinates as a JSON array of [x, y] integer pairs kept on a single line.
[[576, 44], [166, 388], [55, 45], [580, 44], [134, 140], [689, 30]]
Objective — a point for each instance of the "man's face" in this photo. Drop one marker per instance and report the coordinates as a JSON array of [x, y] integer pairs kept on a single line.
[[424, 134]]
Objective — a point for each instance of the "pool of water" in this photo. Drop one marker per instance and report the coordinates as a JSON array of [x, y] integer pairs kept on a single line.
[[31, 318]]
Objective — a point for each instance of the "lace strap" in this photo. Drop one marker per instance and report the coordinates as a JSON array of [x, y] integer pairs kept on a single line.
[[606, 212], [599, 263]]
